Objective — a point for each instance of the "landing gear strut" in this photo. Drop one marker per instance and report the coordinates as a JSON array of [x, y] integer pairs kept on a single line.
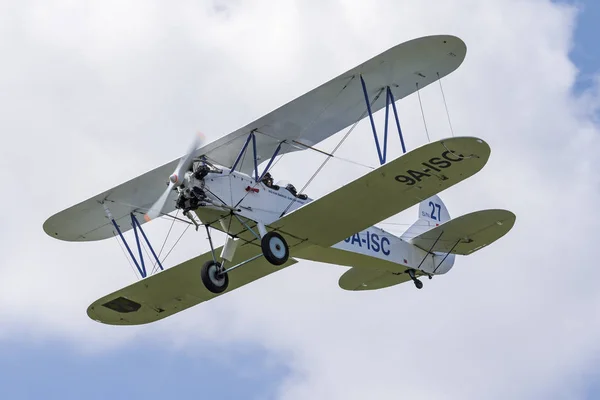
[[215, 276], [273, 245], [418, 283], [212, 273]]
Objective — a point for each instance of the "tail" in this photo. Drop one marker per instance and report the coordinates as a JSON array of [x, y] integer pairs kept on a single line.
[[432, 212]]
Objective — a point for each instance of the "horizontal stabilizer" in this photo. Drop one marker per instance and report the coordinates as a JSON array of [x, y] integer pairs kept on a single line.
[[357, 279], [472, 232]]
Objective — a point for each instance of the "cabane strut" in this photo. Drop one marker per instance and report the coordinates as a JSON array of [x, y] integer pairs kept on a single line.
[[252, 137]]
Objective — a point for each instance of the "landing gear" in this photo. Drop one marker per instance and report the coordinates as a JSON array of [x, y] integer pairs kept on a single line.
[[418, 283], [274, 248], [213, 277]]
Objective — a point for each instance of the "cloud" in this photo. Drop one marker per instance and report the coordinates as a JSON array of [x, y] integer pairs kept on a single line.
[[98, 93]]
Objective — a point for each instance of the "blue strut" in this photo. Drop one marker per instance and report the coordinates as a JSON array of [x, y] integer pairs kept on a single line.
[[252, 137], [389, 99], [136, 225]]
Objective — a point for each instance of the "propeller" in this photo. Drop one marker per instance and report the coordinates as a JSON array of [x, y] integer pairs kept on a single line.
[[176, 178]]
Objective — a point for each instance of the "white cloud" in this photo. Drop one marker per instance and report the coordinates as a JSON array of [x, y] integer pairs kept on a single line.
[[98, 93]]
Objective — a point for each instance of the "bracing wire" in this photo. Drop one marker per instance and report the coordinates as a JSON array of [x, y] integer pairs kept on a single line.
[[333, 152], [401, 223], [422, 113], [138, 209], [165, 241], [445, 105], [128, 260], [405, 235], [355, 163], [145, 247], [303, 130], [180, 236], [339, 158]]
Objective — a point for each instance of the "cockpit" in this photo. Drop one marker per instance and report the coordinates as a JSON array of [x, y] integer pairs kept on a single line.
[[268, 182]]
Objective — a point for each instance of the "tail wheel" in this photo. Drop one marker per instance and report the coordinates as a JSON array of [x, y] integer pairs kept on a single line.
[[274, 248], [212, 277]]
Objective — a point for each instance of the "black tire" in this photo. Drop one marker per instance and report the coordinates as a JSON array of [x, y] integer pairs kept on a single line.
[[418, 284], [275, 248], [214, 283]]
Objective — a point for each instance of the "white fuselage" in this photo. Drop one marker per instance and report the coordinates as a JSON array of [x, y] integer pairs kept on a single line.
[[259, 203]]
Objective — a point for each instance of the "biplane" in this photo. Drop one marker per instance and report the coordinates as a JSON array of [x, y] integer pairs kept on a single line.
[[226, 185]]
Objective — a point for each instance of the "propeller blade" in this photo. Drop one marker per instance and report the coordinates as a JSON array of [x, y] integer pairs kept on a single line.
[[176, 178], [157, 207], [186, 161]]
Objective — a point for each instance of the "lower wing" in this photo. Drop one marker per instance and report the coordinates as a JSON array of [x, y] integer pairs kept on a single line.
[[175, 289], [386, 191]]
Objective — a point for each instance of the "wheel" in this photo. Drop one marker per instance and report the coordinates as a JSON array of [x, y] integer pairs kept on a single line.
[[418, 284], [214, 281], [274, 248]]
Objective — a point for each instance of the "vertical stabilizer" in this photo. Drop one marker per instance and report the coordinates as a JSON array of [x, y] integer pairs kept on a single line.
[[432, 212]]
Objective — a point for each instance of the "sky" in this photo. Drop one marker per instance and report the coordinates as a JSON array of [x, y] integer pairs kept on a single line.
[[93, 94], [584, 53]]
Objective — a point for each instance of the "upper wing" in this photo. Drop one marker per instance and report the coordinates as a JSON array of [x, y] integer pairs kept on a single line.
[[175, 289], [309, 119], [331, 107], [474, 231], [87, 220], [386, 191]]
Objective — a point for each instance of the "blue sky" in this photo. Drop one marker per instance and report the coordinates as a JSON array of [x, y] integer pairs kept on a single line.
[[54, 369], [585, 53], [586, 56], [50, 365]]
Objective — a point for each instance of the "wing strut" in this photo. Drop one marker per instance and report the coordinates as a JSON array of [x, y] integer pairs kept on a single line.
[[431, 248], [389, 98], [136, 225], [446, 256]]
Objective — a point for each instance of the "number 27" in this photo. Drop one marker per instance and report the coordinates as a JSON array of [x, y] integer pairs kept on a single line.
[[433, 207]]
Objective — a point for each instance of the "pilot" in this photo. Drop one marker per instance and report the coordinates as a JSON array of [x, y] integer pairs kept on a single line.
[[268, 180], [292, 189]]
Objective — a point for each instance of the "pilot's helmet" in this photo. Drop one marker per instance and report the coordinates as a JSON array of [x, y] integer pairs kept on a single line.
[[291, 188]]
